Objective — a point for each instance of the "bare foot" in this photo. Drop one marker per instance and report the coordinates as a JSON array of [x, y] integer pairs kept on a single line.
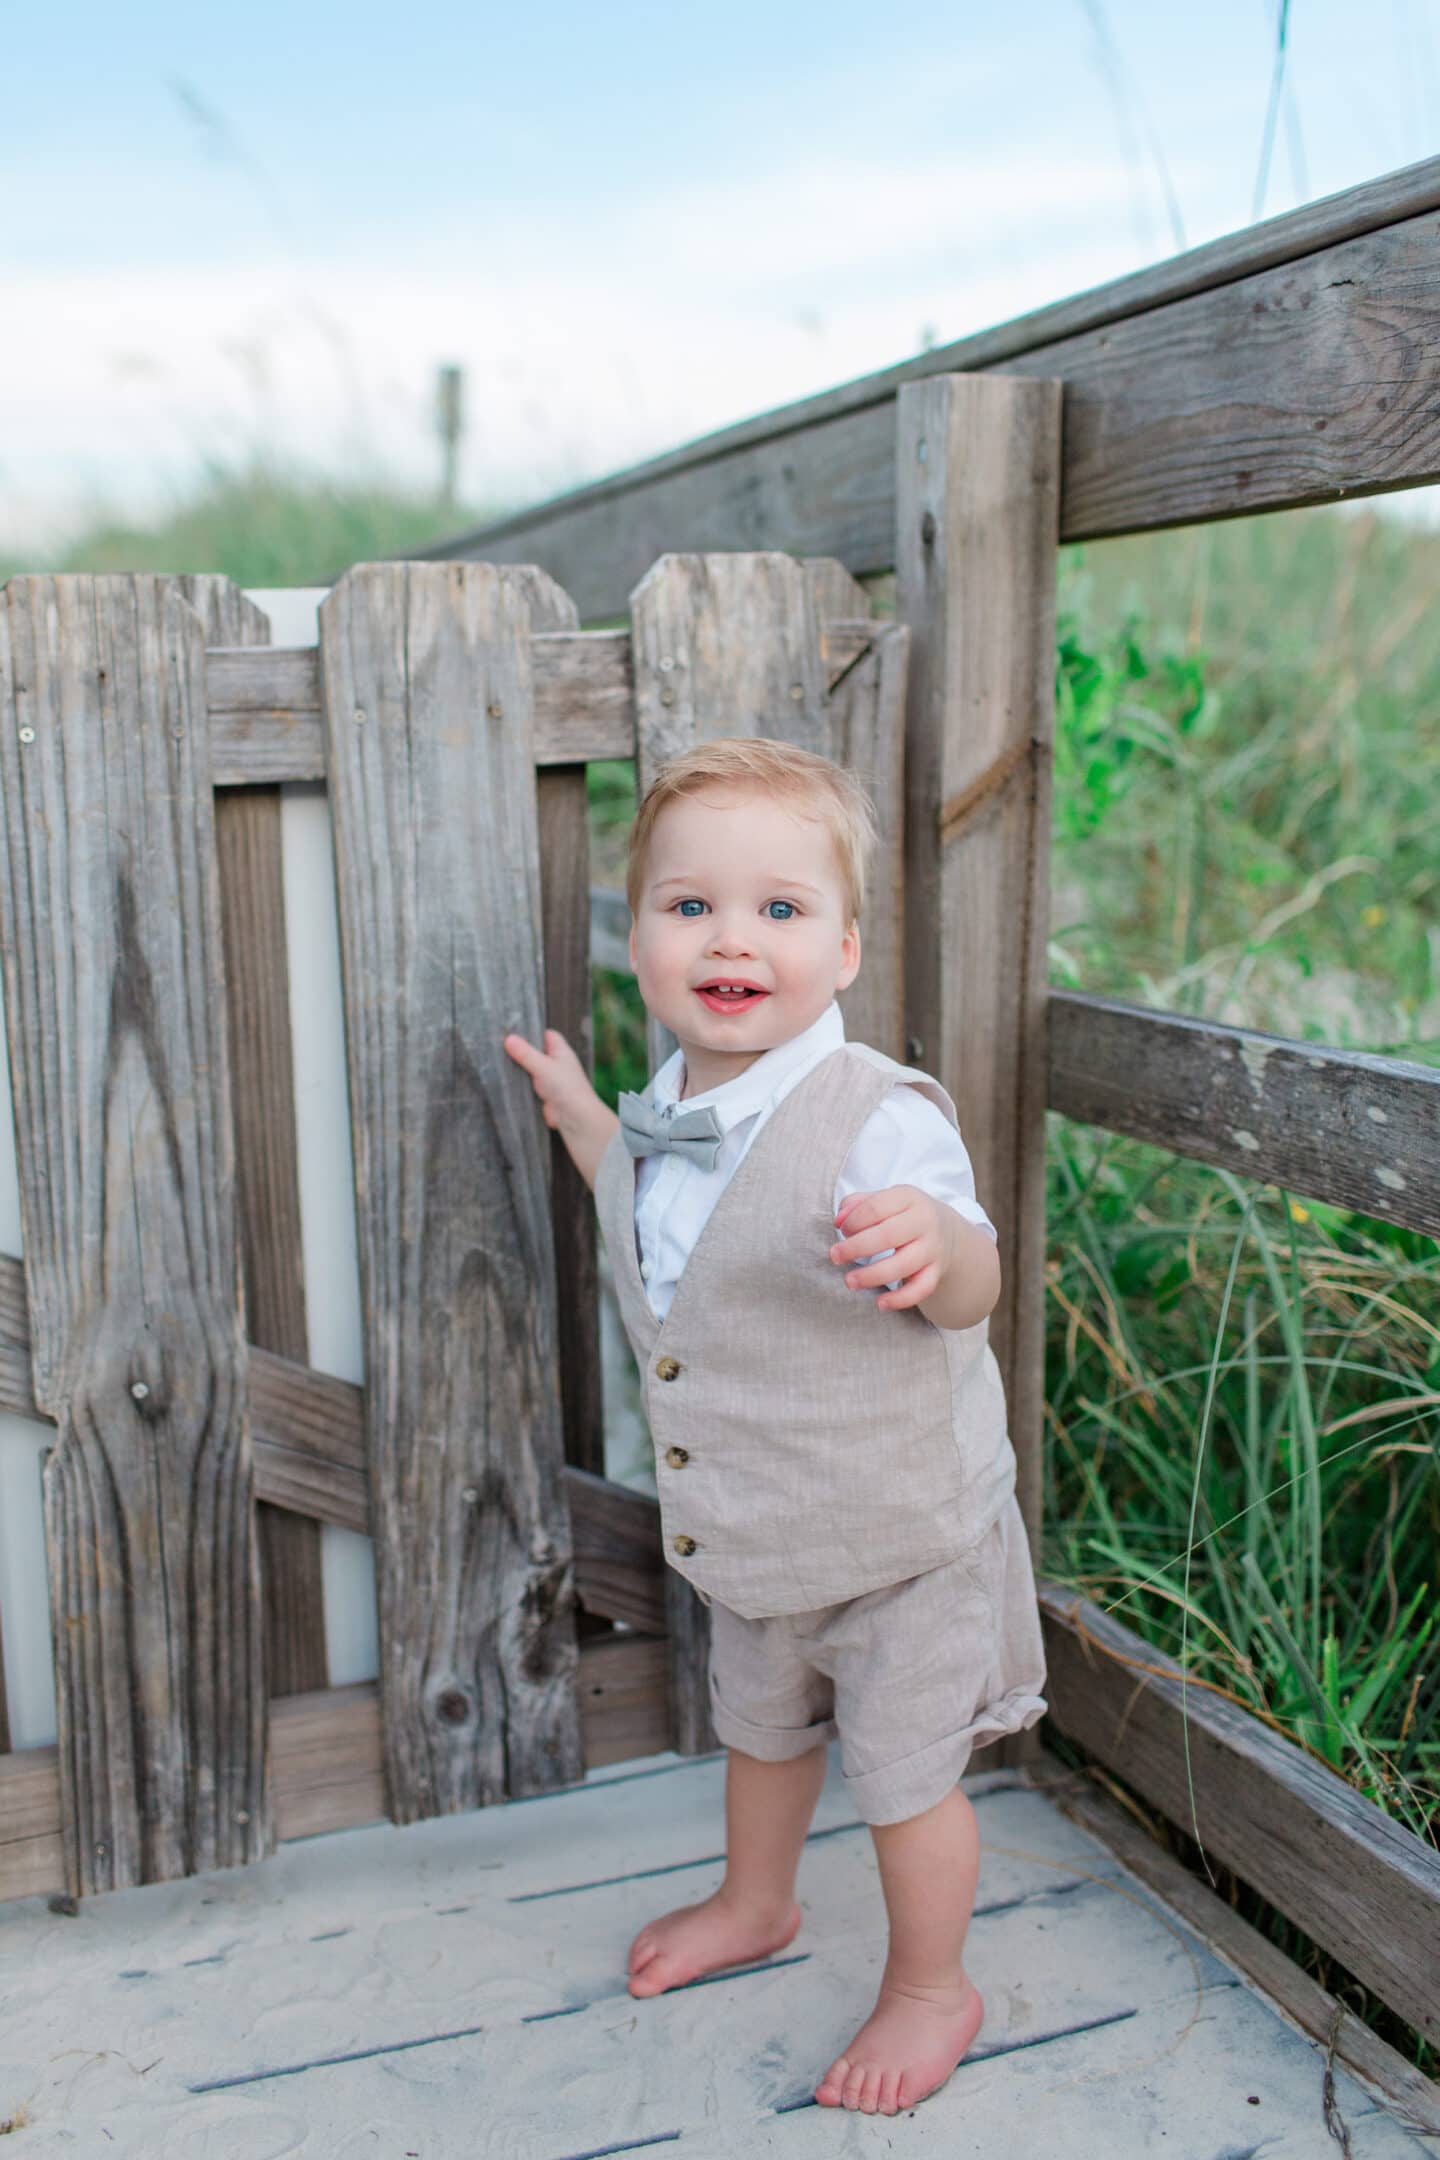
[[698, 1939], [907, 2048]]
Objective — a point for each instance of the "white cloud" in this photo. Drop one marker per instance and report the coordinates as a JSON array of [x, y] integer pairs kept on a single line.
[[582, 355]]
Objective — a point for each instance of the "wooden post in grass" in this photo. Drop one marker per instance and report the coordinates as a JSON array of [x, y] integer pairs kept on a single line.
[[978, 510]]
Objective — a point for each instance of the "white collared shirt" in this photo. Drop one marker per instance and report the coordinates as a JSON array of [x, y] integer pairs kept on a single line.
[[907, 1140]]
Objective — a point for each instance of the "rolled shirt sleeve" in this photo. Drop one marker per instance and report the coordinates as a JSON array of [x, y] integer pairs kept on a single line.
[[908, 1140]]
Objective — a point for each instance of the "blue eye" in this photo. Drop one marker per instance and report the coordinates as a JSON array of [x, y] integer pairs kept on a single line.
[[682, 904]]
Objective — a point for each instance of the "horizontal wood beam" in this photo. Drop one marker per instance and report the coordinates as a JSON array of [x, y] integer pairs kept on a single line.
[[264, 702], [1356, 1880], [1339, 1125], [307, 1436], [326, 1770], [1408, 192], [1293, 365]]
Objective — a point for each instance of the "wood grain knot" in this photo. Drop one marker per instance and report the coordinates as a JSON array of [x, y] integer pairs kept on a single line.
[[453, 1706]]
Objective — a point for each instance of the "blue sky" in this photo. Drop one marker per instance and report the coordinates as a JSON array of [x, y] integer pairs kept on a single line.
[[629, 224]]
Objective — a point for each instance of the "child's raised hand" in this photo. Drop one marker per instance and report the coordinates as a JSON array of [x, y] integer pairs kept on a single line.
[[910, 1220], [558, 1077]]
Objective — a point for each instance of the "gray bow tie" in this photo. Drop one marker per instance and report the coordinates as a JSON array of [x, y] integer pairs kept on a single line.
[[695, 1134]]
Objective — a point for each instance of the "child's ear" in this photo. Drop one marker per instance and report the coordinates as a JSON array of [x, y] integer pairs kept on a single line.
[[852, 939]]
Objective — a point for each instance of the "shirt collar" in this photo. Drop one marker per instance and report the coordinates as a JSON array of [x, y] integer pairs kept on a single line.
[[753, 1089]]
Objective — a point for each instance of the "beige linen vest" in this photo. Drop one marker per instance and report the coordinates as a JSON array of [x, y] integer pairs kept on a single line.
[[808, 1446]]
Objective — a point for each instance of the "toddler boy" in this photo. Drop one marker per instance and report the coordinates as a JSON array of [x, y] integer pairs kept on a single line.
[[795, 1215]]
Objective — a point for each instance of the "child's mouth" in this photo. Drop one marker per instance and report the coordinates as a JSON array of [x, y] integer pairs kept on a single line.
[[730, 1001]]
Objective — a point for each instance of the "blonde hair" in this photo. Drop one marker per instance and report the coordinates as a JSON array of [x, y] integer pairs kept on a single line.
[[798, 778]]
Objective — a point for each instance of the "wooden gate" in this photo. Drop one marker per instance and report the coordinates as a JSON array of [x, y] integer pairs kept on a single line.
[[157, 1320]]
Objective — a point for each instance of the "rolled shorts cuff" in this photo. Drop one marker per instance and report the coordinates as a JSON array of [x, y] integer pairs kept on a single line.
[[920, 1781], [770, 1743]]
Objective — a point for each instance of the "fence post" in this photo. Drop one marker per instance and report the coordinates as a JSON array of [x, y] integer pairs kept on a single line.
[[977, 509]]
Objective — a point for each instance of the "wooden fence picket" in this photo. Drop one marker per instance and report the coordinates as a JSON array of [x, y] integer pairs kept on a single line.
[[428, 696], [736, 645], [111, 938]]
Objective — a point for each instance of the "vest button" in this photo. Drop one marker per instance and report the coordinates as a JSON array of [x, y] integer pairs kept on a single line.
[[677, 1455], [667, 1367], [685, 1545]]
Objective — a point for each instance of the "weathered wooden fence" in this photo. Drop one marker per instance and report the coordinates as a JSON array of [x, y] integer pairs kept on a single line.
[[1294, 363], [450, 709]]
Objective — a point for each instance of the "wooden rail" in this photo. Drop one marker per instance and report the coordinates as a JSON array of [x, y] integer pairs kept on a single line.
[[1293, 363], [327, 1768], [265, 705], [1340, 1125], [1356, 1880]]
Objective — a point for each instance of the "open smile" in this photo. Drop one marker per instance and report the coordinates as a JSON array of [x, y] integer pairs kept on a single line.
[[734, 998]]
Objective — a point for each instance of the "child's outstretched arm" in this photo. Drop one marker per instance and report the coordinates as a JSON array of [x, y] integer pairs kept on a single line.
[[568, 1101]]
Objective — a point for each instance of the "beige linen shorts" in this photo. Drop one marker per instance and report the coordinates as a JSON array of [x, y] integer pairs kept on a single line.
[[913, 1677]]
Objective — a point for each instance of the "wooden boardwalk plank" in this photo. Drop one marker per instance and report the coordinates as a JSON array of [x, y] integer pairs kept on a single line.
[[109, 926], [457, 1989], [428, 701]]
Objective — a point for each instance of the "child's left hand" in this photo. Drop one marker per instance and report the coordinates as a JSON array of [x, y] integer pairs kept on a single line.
[[914, 1223]]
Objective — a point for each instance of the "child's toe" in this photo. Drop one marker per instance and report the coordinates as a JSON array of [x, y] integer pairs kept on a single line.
[[828, 2091], [854, 2085]]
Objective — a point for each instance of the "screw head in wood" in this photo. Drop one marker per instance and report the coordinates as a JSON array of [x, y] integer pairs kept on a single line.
[[359, 716], [27, 734], [496, 711], [139, 1390], [470, 1495], [242, 1814], [666, 664], [667, 697], [797, 691]]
